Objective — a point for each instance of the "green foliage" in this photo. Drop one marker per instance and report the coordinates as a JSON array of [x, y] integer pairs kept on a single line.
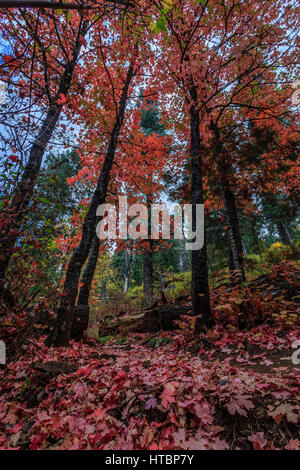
[[121, 340], [135, 296], [257, 265], [156, 342], [36, 267], [179, 284], [277, 253], [25, 386], [135, 291], [53, 190], [150, 118], [105, 339]]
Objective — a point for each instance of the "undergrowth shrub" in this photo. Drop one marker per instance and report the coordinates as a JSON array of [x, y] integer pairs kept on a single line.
[[277, 253], [178, 284]]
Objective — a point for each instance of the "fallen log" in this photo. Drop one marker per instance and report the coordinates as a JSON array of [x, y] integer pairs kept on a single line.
[[54, 368], [160, 317], [163, 317]]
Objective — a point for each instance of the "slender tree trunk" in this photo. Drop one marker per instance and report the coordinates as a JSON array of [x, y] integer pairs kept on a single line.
[[234, 235], [199, 286], [255, 236], [127, 270], [148, 262], [103, 290], [286, 237], [232, 222], [130, 273], [148, 274], [125, 289], [184, 257], [161, 285], [60, 335], [23, 194], [284, 233], [181, 258], [245, 249], [82, 311], [88, 275]]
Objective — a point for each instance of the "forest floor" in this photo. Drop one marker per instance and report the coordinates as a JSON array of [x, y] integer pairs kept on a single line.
[[227, 389]]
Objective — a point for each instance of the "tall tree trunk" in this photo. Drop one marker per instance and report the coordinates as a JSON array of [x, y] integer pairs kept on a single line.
[[148, 262], [23, 194], [161, 285], [127, 270], [234, 236], [230, 257], [82, 311], [286, 237], [184, 257], [103, 290], [255, 236], [88, 275], [284, 233], [60, 335], [199, 285], [245, 249], [148, 274], [232, 221]]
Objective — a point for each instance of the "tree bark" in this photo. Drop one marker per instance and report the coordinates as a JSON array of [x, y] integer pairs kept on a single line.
[[148, 262], [61, 333], [88, 274], [245, 248], [127, 270], [161, 317], [286, 237], [23, 194], [284, 233], [199, 285], [184, 257], [254, 235], [148, 274], [103, 291], [234, 235], [161, 285]]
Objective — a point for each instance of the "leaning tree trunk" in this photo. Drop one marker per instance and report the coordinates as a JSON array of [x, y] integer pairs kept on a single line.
[[199, 285], [284, 233], [23, 194], [88, 274], [82, 310], [286, 237], [245, 248], [61, 333], [234, 235]]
